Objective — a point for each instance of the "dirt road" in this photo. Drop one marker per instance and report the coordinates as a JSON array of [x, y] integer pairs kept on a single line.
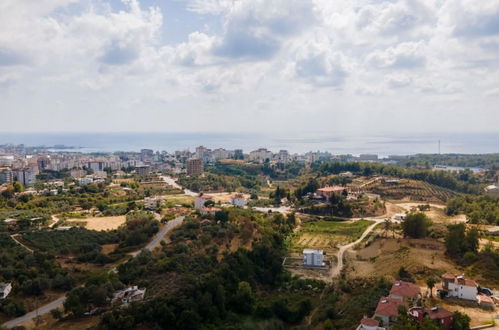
[[335, 271]]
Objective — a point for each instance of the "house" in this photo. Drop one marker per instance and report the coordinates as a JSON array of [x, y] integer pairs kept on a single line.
[[459, 287], [10, 221], [209, 210], [153, 202], [438, 314], [85, 180], [200, 200], [486, 302], [5, 289], [388, 309], [346, 174], [369, 324], [129, 295], [405, 291], [399, 217], [205, 222], [313, 258], [492, 190], [238, 200], [327, 192], [63, 228]]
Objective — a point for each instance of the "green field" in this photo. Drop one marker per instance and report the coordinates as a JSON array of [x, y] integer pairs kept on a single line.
[[326, 235]]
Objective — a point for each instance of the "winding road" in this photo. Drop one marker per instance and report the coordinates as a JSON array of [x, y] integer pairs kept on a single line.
[[169, 180], [170, 225], [335, 271]]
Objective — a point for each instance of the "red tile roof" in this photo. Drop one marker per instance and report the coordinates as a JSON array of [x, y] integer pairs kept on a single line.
[[405, 289], [210, 209], [369, 322], [389, 306], [485, 299], [201, 195], [435, 313], [464, 281], [438, 313], [448, 276], [331, 189], [461, 280]]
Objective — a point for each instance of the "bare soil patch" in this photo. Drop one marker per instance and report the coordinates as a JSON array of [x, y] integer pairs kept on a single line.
[[385, 256], [101, 223]]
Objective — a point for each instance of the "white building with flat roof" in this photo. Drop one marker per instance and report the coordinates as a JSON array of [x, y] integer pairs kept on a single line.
[[200, 200], [313, 258]]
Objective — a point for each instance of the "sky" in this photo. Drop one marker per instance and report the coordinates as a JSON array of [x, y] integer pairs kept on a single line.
[[287, 66]]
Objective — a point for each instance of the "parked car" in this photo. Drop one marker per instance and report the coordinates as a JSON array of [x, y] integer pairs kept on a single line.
[[485, 291]]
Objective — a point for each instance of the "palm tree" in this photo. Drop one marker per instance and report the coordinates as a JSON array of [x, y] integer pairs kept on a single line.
[[430, 281]]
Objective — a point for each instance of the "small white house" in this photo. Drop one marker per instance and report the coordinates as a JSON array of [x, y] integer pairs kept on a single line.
[[399, 216], [459, 287], [238, 200], [5, 289], [129, 295], [153, 202], [200, 200], [313, 258], [86, 180]]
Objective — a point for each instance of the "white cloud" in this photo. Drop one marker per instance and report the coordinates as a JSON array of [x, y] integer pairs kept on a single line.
[[406, 55], [261, 58]]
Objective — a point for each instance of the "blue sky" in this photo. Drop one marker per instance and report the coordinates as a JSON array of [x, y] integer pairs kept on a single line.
[[343, 66]]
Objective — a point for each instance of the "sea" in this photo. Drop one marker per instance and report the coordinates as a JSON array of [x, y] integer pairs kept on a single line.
[[380, 144]]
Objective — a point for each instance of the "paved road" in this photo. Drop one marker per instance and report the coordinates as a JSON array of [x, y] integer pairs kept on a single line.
[[170, 225], [341, 252], [42, 310], [174, 184]]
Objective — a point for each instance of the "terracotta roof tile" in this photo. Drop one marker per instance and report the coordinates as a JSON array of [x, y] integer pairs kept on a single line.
[[405, 289]]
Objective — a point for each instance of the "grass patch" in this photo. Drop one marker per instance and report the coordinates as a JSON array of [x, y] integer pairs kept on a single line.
[[325, 235]]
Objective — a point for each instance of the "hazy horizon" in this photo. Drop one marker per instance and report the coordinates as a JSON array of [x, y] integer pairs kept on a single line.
[[381, 144]]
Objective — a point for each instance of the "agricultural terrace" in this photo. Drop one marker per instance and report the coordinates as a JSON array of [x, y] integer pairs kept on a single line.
[[327, 235], [413, 190]]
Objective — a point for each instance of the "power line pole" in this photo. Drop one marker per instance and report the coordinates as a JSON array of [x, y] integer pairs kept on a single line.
[[439, 147]]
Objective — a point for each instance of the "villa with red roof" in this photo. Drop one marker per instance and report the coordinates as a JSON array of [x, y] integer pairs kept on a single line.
[[200, 200], [405, 291], [438, 314], [388, 309], [459, 287], [369, 324], [327, 192]]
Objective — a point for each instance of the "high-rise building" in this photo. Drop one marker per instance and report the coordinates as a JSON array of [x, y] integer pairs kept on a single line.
[[146, 154], [238, 154], [204, 154], [6, 176], [27, 175], [194, 166], [143, 170]]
